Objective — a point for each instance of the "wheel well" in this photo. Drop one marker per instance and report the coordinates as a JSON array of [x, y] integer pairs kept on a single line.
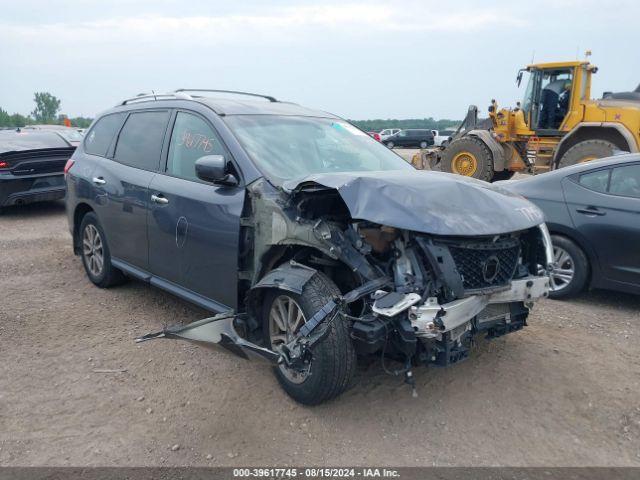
[[81, 210], [592, 133], [337, 271]]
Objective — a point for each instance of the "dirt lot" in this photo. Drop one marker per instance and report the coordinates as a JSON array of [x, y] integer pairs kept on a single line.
[[565, 391]]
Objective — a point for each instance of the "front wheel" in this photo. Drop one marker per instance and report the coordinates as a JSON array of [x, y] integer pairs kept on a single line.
[[468, 156], [333, 360], [424, 144]]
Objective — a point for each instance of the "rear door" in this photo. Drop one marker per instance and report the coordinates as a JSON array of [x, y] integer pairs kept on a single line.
[[605, 207], [123, 185], [403, 138], [194, 227]]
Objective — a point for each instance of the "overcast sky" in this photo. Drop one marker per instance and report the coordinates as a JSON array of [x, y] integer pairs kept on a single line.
[[390, 59]]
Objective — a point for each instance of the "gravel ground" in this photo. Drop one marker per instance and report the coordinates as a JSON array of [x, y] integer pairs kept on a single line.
[[76, 390]]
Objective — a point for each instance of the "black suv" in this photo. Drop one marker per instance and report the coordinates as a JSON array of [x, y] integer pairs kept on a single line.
[[311, 241], [411, 138]]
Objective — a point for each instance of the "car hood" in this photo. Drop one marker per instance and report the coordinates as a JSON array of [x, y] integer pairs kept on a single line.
[[430, 202]]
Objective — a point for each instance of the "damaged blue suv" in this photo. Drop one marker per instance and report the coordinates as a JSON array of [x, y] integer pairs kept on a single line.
[[311, 242]]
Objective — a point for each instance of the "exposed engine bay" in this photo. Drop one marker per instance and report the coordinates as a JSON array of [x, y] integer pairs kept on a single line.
[[416, 295]]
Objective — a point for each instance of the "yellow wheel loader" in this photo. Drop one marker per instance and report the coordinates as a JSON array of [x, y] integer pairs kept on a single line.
[[556, 125]]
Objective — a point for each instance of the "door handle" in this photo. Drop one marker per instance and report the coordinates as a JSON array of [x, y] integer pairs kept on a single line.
[[98, 180], [591, 211], [159, 199]]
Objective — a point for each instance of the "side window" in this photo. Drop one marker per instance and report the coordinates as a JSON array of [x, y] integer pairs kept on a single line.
[[597, 181], [99, 139], [191, 139], [140, 140], [625, 181]]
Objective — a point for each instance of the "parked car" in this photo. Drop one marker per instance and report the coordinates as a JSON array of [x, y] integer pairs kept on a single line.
[[442, 138], [374, 135], [593, 213], [313, 242], [70, 134], [32, 166], [410, 138], [387, 132]]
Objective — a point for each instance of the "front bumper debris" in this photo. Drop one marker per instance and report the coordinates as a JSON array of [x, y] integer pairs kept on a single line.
[[217, 331], [431, 319]]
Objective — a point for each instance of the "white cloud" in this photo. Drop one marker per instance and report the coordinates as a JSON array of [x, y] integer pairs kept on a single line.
[[353, 18]]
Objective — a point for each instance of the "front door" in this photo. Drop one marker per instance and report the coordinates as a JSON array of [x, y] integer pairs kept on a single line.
[[194, 226], [605, 208], [122, 185]]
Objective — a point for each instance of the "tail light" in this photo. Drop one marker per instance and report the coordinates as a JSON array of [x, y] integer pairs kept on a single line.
[[4, 164], [376, 136], [68, 165]]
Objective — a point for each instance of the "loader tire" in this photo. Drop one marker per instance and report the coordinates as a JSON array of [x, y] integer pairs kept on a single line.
[[468, 156], [586, 151], [333, 361]]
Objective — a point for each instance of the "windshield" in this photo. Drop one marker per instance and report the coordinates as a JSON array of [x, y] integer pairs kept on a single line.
[[289, 147], [527, 101]]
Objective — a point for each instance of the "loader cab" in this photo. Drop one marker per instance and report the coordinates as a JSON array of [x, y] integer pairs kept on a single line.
[[547, 98]]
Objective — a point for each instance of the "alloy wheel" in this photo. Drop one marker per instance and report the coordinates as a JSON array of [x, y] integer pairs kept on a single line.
[[285, 319], [93, 250], [564, 269]]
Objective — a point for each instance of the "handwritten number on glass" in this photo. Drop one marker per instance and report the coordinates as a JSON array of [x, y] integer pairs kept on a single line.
[[196, 141]]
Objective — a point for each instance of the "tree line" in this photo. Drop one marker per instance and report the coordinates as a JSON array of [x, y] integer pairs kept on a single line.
[[47, 108], [428, 123]]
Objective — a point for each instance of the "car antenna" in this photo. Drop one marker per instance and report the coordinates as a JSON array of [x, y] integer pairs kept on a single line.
[[154, 95]]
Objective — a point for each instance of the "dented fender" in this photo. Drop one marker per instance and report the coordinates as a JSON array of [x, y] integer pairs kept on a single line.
[[292, 277]]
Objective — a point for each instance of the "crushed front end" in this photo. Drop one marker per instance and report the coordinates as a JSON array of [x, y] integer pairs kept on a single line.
[[419, 275], [446, 290]]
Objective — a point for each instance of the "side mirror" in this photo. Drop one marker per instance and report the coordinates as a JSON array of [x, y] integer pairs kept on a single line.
[[213, 169]]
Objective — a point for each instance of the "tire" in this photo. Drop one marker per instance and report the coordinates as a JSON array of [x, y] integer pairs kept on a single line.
[[333, 362], [468, 156], [389, 144], [585, 151], [566, 248], [107, 275], [424, 144]]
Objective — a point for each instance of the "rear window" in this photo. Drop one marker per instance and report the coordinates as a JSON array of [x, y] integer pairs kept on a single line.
[[99, 138], [598, 180], [625, 181], [140, 141]]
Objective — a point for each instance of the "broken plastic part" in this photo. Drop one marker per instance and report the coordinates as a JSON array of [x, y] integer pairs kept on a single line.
[[392, 303], [217, 331]]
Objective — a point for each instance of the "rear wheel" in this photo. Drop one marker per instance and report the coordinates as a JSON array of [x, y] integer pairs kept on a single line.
[[390, 144], [424, 144], [586, 151], [96, 257], [571, 271], [470, 157], [333, 360]]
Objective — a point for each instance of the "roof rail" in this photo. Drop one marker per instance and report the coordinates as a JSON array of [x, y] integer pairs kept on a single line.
[[147, 97], [268, 97]]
